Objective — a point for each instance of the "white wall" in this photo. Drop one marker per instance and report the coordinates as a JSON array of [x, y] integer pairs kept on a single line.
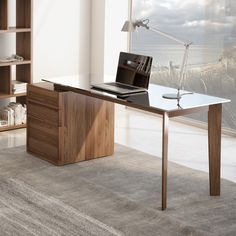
[[107, 40], [78, 37], [75, 37], [85, 37], [97, 40], [61, 38], [115, 40]]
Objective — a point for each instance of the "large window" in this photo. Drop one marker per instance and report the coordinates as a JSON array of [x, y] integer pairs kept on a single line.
[[211, 26]]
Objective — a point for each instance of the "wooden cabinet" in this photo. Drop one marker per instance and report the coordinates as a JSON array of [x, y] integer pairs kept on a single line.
[[23, 47], [65, 127]]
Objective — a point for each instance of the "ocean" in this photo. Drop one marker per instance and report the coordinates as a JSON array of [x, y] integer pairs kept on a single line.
[[164, 53]]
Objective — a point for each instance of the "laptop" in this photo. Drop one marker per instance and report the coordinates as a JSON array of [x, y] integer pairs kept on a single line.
[[133, 74]]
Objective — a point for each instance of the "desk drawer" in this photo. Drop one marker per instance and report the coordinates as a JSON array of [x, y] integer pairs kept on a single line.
[[66, 127], [43, 139], [43, 96], [43, 149], [43, 113], [42, 131]]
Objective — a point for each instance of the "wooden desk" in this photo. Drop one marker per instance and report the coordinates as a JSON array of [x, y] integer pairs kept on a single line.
[[153, 102], [64, 127]]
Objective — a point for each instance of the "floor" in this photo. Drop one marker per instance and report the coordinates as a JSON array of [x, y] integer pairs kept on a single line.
[[119, 193], [187, 144]]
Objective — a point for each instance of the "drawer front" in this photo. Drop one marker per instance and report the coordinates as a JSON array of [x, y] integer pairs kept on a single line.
[[43, 96], [44, 150], [43, 113], [42, 131], [43, 139]]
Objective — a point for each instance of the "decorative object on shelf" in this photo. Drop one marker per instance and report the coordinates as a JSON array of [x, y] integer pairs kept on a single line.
[[6, 114], [3, 123], [130, 26], [10, 117], [18, 87], [12, 58], [13, 114]]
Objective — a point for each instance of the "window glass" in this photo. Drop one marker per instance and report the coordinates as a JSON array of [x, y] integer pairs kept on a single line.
[[211, 26]]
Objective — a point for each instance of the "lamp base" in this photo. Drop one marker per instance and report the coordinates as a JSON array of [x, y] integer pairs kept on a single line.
[[171, 96]]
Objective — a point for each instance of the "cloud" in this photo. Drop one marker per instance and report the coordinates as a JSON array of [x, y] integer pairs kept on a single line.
[[189, 18], [207, 23]]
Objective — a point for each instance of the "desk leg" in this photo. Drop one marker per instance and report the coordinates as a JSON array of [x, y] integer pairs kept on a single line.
[[214, 147], [164, 159]]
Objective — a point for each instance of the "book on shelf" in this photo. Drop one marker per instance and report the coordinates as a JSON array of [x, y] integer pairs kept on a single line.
[[13, 114], [7, 115], [18, 91], [3, 123], [18, 87]]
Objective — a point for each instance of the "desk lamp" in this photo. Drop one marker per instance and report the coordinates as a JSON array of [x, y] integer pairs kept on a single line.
[[130, 26]]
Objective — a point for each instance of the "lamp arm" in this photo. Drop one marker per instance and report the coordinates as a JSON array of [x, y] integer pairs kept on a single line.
[[185, 57], [169, 36], [183, 66]]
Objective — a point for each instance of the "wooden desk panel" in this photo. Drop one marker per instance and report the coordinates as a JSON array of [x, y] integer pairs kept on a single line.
[[66, 129]]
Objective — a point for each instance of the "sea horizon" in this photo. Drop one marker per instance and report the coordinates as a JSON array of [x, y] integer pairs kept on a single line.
[[163, 54]]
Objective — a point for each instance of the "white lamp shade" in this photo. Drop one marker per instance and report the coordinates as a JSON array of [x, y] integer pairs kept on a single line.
[[128, 26]]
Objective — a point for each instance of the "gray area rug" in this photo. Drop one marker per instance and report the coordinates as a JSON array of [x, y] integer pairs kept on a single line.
[[23, 211], [118, 195]]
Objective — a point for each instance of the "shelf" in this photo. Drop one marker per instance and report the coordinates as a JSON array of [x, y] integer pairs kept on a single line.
[[22, 45], [5, 128], [4, 95], [15, 63], [15, 30]]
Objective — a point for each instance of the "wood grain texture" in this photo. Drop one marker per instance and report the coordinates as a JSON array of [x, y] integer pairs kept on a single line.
[[5, 80], [15, 30], [3, 14], [42, 139], [214, 147], [43, 150], [23, 73], [43, 94], [23, 13], [164, 159], [74, 127], [44, 113], [184, 112], [21, 99], [88, 128], [13, 63], [4, 95], [5, 128], [83, 127], [43, 123], [23, 45], [24, 40], [99, 128]]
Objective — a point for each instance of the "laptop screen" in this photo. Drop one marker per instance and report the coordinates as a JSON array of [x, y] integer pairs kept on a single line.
[[134, 69]]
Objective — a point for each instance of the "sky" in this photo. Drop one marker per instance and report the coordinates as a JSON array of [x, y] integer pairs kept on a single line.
[[200, 21]]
